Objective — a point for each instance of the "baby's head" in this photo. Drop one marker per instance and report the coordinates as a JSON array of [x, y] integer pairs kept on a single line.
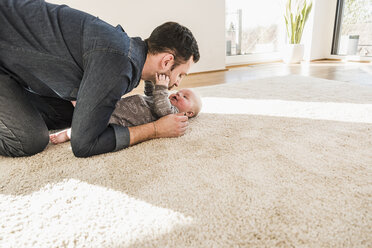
[[187, 101]]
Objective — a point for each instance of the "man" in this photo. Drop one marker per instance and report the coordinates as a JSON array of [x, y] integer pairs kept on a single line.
[[51, 55]]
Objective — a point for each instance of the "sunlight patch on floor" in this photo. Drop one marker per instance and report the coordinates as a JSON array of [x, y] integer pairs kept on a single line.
[[80, 213], [346, 112]]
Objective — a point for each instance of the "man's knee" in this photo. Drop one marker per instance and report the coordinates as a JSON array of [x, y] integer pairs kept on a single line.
[[38, 145], [80, 144], [17, 145], [80, 149]]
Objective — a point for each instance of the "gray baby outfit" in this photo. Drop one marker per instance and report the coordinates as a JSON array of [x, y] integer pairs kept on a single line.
[[137, 109]]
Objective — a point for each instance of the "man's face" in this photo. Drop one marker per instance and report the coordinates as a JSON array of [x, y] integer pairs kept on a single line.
[[177, 74]]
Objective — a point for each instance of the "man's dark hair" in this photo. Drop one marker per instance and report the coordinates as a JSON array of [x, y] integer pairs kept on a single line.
[[176, 39]]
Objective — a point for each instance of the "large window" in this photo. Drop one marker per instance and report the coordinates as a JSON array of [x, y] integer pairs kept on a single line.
[[253, 27], [353, 28]]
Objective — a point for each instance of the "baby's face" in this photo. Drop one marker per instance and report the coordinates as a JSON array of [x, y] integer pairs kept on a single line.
[[183, 100]]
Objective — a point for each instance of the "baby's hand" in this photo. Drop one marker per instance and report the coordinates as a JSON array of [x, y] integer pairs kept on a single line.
[[162, 80]]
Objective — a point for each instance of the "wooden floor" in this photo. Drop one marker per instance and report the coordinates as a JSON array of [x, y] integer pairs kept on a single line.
[[355, 72]]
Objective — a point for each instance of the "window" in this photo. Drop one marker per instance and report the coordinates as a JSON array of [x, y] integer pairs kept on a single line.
[[253, 27], [353, 28]]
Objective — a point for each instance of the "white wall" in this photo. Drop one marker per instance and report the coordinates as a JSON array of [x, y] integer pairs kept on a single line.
[[205, 18]]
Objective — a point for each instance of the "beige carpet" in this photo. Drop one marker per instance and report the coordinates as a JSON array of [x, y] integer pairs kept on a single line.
[[284, 162]]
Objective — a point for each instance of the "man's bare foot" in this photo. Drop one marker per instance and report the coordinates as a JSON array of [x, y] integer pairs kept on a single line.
[[60, 137]]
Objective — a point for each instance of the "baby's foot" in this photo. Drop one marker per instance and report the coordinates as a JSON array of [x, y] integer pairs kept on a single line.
[[57, 138]]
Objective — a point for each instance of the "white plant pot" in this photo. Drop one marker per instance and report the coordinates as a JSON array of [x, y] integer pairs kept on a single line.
[[293, 53]]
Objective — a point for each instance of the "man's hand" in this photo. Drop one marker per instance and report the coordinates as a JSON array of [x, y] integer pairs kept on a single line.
[[173, 125], [162, 80]]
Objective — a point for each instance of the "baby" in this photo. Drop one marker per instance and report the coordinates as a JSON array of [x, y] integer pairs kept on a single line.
[[137, 109]]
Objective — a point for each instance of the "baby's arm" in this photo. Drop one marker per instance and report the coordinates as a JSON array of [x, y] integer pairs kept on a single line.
[[149, 88], [162, 105]]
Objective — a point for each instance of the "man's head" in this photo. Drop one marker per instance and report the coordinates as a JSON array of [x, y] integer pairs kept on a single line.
[[186, 101], [172, 50]]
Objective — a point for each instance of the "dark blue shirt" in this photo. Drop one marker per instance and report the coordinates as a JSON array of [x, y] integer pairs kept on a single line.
[[57, 51]]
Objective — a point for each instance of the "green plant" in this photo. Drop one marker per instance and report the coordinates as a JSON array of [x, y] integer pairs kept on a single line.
[[295, 19]]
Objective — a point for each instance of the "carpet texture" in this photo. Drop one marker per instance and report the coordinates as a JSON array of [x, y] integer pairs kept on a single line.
[[283, 161]]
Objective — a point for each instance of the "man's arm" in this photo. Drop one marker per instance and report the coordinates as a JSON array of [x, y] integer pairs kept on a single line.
[[103, 84], [169, 126]]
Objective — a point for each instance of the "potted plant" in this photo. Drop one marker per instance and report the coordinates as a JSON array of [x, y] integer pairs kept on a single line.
[[295, 18]]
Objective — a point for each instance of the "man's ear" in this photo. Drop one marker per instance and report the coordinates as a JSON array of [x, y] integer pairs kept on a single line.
[[167, 61], [190, 114]]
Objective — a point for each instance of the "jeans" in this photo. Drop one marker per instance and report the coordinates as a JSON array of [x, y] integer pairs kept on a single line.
[[25, 118]]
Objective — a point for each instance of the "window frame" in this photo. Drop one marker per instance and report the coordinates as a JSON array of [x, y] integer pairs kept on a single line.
[[337, 27]]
